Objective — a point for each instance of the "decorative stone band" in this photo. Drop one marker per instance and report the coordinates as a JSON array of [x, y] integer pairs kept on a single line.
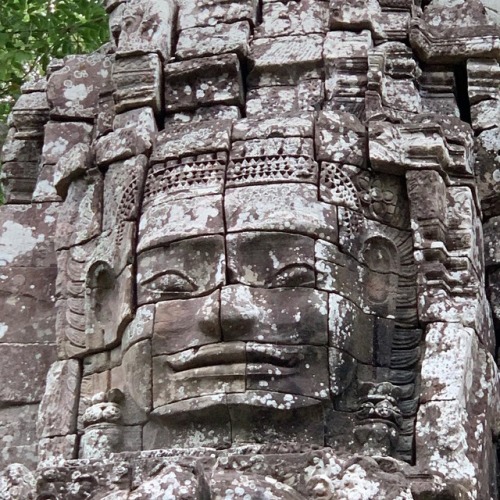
[[207, 174], [336, 187], [271, 168], [181, 178]]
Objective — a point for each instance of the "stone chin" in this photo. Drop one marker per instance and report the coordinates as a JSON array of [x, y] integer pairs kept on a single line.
[[245, 391], [231, 419]]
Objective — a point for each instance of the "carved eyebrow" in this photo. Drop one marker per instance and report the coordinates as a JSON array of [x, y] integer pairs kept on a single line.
[[302, 268], [184, 280]]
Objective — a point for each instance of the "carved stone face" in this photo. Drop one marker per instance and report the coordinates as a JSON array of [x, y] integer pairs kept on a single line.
[[244, 289], [264, 288], [240, 336]]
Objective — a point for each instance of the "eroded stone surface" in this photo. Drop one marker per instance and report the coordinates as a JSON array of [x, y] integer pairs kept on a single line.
[[81, 79], [147, 27], [259, 248]]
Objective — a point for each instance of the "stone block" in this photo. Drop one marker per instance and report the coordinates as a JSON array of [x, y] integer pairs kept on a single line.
[[341, 137], [24, 369], [108, 306], [18, 425], [132, 438], [19, 455], [183, 269], [272, 160], [28, 300], [184, 178], [147, 27], [98, 362], [20, 159], [340, 273], [192, 139], [487, 168], [267, 102], [381, 197], [392, 87], [462, 34], [194, 13], [25, 234], [214, 40], [54, 451], [133, 379], [19, 181], [397, 148], [141, 326], [342, 369], [174, 478], [293, 18], [491, 249], [336, 186], [273, 146], [447, 366], [219, 112], [485, 114], [438, 305], [350, 329], [81, 216], [27, 273], [482, 75], [29, 115], [202, 421], [73, 91], [61, 137], [91, 385], [300, 125], [263, 416], [105, 114], [166, 221], [280, 207], [441, 434], [57, 416], [138, 82], [100, 440], [123, 189], [203, 82], [20, 150], [54, 179], [134, 135], [285, 60]]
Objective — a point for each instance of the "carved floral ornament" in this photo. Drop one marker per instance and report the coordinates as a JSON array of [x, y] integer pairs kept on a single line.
[[249, 256]]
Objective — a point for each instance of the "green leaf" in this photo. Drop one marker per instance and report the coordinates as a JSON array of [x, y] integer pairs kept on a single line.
[[31, 33]]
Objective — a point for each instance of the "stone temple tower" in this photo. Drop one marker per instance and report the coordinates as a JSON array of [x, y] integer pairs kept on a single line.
[[250, 250]]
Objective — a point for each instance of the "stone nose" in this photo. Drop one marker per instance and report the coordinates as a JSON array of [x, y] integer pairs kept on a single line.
[[239, 313], [286, 315], [185, 323]]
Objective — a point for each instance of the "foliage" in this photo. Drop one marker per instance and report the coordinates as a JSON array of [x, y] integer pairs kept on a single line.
[[34, 31]]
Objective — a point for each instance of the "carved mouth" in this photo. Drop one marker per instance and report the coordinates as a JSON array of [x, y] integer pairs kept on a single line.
[[232, 358], [208, 356]]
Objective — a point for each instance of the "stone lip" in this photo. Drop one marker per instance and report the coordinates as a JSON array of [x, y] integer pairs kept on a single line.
[[228, 354], [273, 401]]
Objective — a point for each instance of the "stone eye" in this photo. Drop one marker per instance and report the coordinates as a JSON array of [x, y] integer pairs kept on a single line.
[[293, 275], [170, 282]]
